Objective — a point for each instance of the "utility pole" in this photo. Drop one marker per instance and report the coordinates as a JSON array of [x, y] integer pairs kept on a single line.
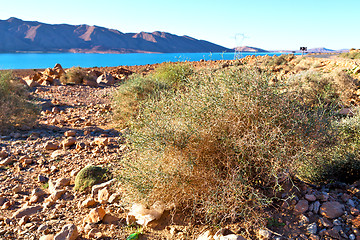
[[303, 49]]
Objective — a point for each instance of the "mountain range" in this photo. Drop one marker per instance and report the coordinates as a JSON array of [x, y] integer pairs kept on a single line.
[[17, 35]]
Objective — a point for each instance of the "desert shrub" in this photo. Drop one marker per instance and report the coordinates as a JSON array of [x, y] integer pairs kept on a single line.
[[338, 161], [217, 147], [15, 108], [277, 60], [323, 89], [89, 176], [138, 89], [354, 54], [76, 75]]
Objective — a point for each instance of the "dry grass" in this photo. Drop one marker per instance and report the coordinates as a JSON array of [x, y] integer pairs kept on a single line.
[[16, 111]]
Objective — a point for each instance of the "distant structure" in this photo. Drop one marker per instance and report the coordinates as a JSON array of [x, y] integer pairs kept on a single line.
[[239, 39], [303, 49]]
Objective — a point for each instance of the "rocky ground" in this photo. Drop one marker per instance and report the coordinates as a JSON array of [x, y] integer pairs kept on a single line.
[[38, 168]]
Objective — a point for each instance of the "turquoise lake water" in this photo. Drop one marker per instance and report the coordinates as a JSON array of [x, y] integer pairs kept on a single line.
[[67, 60]]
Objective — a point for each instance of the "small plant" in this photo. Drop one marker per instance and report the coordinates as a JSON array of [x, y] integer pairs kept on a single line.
[[45, 185], [273, 222], [89, 176], [135, 236]]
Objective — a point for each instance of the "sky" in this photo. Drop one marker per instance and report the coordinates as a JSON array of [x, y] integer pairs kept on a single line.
[[267, 24]]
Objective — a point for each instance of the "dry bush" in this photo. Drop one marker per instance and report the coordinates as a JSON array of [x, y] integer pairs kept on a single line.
[[218, 147], [16, 111], [76, 75], [316, 88]]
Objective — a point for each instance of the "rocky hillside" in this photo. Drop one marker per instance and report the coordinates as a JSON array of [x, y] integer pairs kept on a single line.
[[17, 35]]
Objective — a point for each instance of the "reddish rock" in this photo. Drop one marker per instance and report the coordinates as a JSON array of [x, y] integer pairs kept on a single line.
[[332, 209], [27, 211], [301, 207]]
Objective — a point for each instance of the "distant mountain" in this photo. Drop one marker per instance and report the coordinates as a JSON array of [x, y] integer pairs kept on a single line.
[[320, 50], [249, 49], [17, 35]]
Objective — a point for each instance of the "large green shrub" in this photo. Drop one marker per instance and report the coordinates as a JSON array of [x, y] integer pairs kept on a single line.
[[16, 111]]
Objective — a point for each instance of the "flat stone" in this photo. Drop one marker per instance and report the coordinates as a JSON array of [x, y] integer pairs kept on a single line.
[[332, 209], [47, 237], [95, 189], [27, 211], [88, 202], [6, 161], [310, 197], [301, 207], [110, 219], [68, 232]]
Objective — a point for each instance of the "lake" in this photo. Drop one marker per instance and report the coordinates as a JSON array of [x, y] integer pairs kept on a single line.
[[67, 60]]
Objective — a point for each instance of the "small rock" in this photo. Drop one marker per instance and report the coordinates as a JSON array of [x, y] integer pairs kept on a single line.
[[88, 202], [67, 143], [110, 219], [61, 182], [42, 228], [95, 233], [310, 197], [6, 161], [68, 232], [312, 228], [332, 209], [113, 198], [101, 142], [57, 154], [106, 79], [27, 211], [38, 192], [95, 189], [316, 207], [42, 179], [325, 222], [51, 146], [3, 154], [70, 133], [95, 215], [16, 189], [205, 236], [301, 207], [47, 237], [103, 195], [264, 233]]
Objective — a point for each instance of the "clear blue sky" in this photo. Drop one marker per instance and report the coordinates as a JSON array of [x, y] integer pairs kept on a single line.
[[268, 24]]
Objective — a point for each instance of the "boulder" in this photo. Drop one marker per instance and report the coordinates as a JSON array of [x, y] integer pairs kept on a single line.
[[106, 79]]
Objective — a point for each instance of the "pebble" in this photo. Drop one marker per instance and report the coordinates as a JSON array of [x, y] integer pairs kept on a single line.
[[312, 228]]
